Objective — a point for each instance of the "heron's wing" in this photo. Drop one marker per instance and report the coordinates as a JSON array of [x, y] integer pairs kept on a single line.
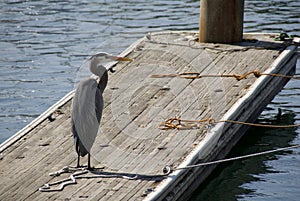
[[84, 118]]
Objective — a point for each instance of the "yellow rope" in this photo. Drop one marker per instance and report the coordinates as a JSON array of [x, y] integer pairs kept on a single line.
[[261, 125], [194, 75], [179, 124]]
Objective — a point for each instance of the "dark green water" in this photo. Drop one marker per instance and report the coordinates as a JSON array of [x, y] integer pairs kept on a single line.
[[267, 177], [43, 43]]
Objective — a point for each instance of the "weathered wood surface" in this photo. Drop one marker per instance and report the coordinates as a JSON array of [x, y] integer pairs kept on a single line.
[[135, 104]]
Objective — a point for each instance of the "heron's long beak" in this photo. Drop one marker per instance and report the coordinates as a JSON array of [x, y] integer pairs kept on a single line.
[[121, 58]]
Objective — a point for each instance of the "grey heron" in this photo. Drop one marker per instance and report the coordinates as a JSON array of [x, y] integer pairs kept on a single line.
[[87, 105]]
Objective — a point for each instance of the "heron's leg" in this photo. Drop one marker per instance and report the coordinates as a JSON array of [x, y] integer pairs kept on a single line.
[[89, 161], [78, 160]]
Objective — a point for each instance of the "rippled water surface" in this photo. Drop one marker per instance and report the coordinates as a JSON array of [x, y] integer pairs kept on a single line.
[[43, 43]]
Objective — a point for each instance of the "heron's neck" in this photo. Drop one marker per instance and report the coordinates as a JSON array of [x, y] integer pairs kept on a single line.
[[97, 68]]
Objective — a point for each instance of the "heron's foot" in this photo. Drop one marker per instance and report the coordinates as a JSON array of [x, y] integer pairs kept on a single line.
[[89, 167], [85, 167]]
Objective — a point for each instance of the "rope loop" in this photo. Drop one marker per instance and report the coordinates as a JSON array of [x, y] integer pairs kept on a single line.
[[212, 121]]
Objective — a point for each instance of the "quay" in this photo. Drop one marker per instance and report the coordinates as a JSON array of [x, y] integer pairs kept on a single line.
[[136, 141]]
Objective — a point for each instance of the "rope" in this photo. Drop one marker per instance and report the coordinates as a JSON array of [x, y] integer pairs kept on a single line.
[[180, 124], [76, 173], [168, 169], [283, 36], [194, 75]]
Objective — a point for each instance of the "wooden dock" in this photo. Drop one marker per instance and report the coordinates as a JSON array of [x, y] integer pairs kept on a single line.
[[131, 151]]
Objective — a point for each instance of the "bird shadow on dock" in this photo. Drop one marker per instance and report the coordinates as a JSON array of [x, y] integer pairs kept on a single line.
[[78, 173]]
